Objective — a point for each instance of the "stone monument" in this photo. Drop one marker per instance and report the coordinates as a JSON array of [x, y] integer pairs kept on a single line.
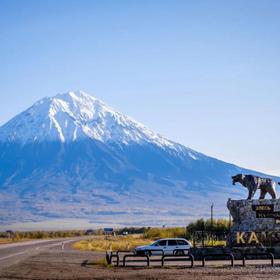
[[255, 222]]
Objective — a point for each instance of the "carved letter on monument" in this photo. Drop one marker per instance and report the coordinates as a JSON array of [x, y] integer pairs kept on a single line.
[[253, 238], [239, 237]]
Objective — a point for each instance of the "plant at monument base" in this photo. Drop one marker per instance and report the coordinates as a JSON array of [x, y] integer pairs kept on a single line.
[[208, 232], [219, 226]]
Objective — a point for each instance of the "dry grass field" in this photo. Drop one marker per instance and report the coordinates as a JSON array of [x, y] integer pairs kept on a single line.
[[103, 243]]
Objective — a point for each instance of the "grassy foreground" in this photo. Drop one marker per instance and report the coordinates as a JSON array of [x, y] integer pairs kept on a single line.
[[103, 243]]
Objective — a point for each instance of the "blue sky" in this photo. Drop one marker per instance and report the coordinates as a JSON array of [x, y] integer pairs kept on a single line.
[[203, 73]]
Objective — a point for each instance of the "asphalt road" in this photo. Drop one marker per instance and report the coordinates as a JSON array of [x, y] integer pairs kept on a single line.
[[15, 252], [47, 260]]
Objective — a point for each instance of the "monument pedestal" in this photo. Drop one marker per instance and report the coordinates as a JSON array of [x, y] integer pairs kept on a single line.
[[255, 223]]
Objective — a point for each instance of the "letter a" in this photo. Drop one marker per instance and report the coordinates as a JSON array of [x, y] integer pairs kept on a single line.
[[253, 237]]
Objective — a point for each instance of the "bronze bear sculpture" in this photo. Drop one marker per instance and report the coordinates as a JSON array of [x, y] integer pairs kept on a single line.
[[253, 183]]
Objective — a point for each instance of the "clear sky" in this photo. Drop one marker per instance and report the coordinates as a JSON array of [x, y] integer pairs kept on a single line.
[[202, 73]]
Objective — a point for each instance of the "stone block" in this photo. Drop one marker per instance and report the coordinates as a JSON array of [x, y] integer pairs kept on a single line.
[[255, 222]]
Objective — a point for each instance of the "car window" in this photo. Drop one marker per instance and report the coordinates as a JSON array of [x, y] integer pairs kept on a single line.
[[172, 243], [182, 242], [162, 243]]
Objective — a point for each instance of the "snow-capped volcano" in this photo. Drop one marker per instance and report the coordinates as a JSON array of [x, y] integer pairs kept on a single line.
[[74, 116], [72, 156]]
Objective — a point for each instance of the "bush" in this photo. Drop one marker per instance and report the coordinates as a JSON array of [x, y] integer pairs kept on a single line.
[[205, 233], [157, 233], [219, 226]]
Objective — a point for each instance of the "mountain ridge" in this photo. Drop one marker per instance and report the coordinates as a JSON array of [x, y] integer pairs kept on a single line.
[[83, 112]]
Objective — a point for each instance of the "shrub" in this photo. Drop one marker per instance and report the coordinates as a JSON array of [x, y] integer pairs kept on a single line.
[[157, 233]]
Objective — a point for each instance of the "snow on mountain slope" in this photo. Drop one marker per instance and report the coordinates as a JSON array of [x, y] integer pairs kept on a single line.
[[73, 116]]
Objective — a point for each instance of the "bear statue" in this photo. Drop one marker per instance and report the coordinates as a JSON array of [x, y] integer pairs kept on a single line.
[[253, 183]]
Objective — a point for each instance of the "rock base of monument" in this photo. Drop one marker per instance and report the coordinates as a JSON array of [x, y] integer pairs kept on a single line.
[[255, 229], [256, 223]]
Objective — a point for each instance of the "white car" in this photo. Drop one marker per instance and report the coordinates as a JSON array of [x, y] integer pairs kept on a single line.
[[167, 246]]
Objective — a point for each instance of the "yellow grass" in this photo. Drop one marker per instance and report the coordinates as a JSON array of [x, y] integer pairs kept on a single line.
[[11, 240], [6, 240], [114, 243]]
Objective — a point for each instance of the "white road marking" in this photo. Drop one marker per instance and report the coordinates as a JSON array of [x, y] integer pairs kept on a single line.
[[12, 255], [36, 248], [54, 245], [25, 243]]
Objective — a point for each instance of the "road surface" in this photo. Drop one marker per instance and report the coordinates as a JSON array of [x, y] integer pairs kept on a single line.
[[15, 252]]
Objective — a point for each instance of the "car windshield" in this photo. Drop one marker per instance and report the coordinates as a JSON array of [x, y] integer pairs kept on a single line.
[[159, 243], [182, 242]]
